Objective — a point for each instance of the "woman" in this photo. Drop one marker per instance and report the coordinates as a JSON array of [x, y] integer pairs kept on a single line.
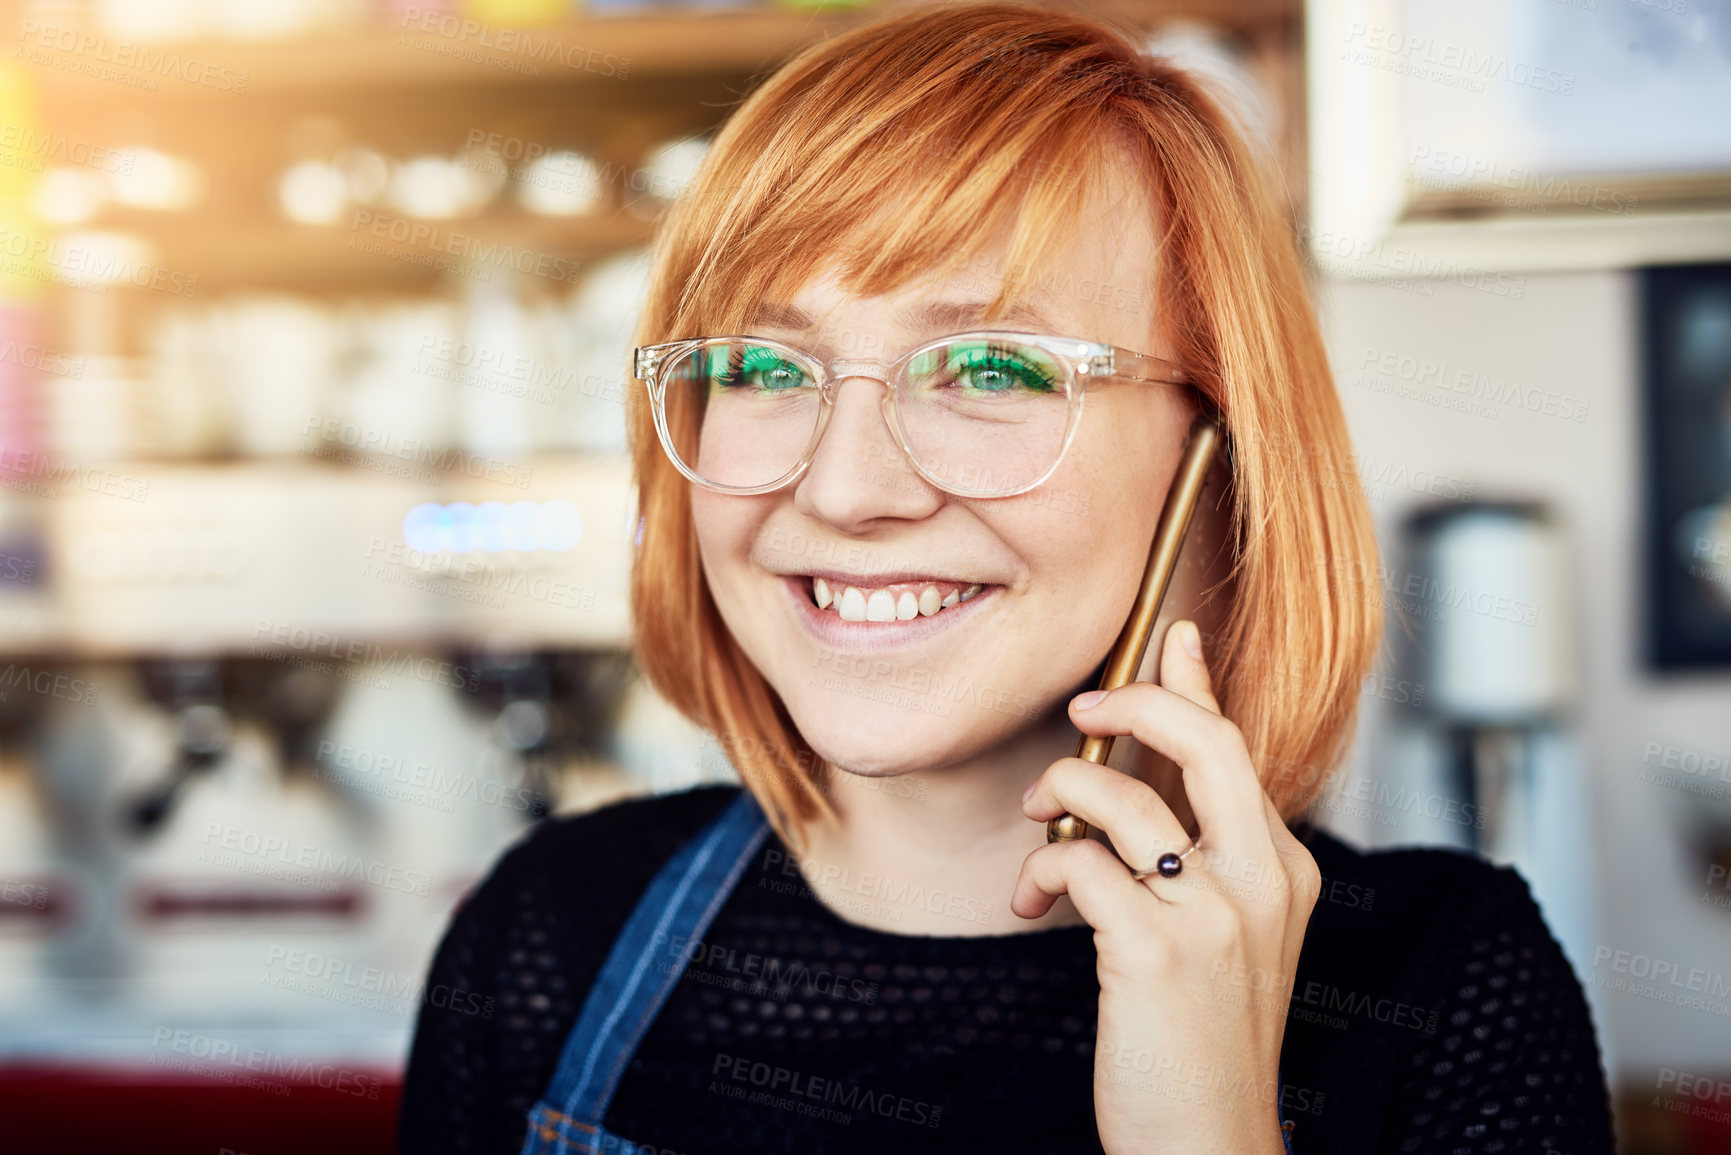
[[882, 566]]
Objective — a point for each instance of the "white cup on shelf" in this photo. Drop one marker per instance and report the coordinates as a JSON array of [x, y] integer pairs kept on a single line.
[[594, 352], [183, 413], [92, 415], [396, 393], [494, 418], [276, 360]]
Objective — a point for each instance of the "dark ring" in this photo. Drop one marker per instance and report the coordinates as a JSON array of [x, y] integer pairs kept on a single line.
[[1166, 866]]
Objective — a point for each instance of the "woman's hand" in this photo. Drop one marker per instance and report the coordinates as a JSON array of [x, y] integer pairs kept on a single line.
[[1195, 970]]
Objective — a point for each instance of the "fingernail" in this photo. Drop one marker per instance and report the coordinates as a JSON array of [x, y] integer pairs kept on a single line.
[[1191, 638], [1090, 699], [1029, 792]]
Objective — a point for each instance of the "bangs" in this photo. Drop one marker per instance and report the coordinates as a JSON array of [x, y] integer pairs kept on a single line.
[[975, 162]]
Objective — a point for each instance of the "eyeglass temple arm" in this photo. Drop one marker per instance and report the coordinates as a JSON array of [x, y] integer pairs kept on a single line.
[[1140, 367]]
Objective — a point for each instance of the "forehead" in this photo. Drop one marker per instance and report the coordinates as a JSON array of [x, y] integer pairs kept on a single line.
[[1098, 284]]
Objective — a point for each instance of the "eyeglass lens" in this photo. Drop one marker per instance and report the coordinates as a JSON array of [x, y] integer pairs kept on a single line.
[[981, 417]]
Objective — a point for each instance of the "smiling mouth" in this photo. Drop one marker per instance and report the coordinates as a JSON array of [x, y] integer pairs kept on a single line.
[[888, 601]]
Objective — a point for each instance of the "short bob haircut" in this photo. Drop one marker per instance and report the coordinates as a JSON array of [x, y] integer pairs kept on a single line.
[[963, 120]]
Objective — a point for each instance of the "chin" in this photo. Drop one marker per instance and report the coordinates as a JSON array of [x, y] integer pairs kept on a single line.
[[876, 739]]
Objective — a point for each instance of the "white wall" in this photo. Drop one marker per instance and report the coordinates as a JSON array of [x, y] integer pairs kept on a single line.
[[1575, 334]]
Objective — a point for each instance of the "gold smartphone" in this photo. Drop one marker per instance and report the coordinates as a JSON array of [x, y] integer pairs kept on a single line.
[[1127, 652]]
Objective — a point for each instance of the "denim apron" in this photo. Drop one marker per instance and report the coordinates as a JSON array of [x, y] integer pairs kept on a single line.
[[638, 978]]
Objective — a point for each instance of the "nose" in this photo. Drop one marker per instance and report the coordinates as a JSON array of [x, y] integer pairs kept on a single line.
[[858, 474]]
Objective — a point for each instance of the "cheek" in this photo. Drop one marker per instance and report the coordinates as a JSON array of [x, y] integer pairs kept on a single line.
[[1089, 566], [725, 527], [1127, 452], [1083, 567], [1096, 515]]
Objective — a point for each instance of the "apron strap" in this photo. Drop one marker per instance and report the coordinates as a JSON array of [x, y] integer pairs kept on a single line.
[[647, 959], [1286, 1125]]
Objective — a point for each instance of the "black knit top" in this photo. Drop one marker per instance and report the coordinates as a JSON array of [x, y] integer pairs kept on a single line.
[[1432, 1012]]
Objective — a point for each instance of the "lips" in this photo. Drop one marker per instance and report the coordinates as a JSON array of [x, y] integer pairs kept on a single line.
[[863, 600]]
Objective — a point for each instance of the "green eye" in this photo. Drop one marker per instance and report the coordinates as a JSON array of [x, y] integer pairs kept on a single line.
[[987, 369], [754, 368]]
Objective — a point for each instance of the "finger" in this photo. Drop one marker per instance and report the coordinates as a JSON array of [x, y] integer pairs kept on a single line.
[[1128, 811], [1224, 790], [1095, 880], [1304, 877], [1183, 669]]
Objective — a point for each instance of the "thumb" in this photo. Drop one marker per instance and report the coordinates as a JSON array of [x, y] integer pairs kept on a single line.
[[1183, 670]]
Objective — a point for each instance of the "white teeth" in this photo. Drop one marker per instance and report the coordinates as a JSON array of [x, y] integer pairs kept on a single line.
[[930, 603], [853, 604]]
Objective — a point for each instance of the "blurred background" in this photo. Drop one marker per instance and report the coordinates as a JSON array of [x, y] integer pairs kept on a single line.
[[315, 520]]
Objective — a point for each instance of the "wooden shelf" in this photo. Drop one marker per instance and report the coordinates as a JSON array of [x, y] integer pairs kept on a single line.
[[227, 556], [338, 258], [399, 54], [652, 42]]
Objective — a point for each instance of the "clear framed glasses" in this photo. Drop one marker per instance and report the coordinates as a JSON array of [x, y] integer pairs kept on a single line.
[[988, 413]]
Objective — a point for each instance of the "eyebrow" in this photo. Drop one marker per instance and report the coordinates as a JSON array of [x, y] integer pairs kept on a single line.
[[929, 316]]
